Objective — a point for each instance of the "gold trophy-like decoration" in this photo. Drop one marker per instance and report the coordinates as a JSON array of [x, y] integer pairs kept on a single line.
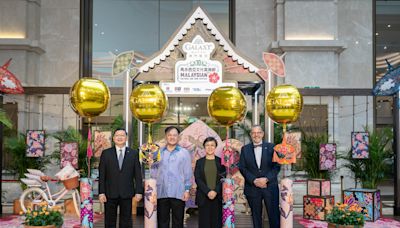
[[148, 104], [89, 97], [227, 105], [284, 104]]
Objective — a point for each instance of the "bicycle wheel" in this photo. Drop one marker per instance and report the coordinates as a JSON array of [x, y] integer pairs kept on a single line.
[[76, 197], [33, 195]]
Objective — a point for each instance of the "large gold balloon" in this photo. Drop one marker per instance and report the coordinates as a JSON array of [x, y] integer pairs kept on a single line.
[[148, 103], [227, 105], [284, 104], [89, 97]]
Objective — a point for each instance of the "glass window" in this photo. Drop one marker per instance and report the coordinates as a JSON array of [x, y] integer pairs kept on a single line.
[[387, 33], [143, 26]]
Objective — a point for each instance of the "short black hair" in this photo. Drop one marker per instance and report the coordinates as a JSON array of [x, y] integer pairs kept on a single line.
[[209, 139], [120, 129], [168, 129]]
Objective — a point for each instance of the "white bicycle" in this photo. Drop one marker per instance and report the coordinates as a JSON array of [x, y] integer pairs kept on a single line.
[[38, 191]]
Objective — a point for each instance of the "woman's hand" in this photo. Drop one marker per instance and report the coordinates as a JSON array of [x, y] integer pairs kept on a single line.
[[212, 194]]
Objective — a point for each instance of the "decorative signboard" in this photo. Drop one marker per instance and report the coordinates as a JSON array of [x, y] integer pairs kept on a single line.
[[197, 74]]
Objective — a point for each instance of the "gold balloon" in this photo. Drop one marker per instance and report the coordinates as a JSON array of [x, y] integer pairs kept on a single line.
[[148, 103], [89, 97], [227, 105], [284, 104]]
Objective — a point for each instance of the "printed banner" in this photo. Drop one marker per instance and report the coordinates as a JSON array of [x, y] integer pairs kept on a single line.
[[359, 145], [150, 203], [327, 156], [69, 152], [35, 143], [86, 203], [228, 208], [294, 139], [286, 202]]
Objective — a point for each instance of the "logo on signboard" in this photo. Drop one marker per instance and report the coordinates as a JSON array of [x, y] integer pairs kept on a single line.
[[198, 67]]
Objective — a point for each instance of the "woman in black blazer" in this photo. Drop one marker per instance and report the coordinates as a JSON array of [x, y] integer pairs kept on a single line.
[[208, 174]]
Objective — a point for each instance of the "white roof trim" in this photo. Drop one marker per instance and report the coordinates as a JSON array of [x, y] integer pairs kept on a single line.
[[198, 14]]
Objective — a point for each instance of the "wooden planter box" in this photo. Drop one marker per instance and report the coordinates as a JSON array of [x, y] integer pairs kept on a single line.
[[318, 187], [368, 199], [317, 207]]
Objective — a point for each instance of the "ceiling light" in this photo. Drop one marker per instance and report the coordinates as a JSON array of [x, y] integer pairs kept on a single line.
[[377, 34], [102, 33], [389, 26], [385, 47], [357, 42]]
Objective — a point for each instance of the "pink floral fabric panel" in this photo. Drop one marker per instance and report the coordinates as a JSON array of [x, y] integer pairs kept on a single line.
[[313, 188], [69, 154], [359, 145], [327, 156], [102, 141], [35, 143], [294, 139]]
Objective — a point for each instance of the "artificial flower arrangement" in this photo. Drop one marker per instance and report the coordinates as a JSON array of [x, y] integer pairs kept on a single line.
[[43, 216], [344, 214], [149, 154]]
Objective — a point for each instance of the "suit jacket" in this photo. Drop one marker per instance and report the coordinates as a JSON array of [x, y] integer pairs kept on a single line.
[[250, 171], [116, 183], [200, 177]]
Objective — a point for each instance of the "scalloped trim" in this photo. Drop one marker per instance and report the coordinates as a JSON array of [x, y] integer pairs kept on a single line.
[[198, 14]]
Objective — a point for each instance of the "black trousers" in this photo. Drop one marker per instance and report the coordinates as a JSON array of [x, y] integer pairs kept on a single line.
[[164, 207], [125, 213], [210, 213], [270, 196]]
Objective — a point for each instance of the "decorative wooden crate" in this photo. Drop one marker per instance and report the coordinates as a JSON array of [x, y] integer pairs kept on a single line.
[[317, 207], [369, 199], [318, 187]]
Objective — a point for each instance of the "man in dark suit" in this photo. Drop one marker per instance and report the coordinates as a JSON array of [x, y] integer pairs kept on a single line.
[[120, 178], [261, 178]]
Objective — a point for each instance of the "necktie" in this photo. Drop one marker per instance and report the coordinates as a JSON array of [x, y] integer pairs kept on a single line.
[[259, 145], [120, 159]]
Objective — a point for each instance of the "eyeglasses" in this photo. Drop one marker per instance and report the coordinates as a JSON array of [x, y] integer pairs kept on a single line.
[[257, 133]]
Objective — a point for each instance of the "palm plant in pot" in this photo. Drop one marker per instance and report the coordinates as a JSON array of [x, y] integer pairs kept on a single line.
[[372, 171], [15, 146]]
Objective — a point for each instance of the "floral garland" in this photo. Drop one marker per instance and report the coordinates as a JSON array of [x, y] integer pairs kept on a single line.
[[149, 154]]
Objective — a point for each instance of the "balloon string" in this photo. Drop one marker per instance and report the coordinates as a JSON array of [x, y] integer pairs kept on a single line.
[[227, 149], [90, 144], [149, 138]]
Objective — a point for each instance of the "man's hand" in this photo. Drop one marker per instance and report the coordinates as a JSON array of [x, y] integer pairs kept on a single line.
[[212, 194], [138, 197], [261, 182], [186, 196], [102, 198]]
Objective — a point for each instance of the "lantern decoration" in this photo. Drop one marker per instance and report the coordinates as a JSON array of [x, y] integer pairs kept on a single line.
[[9, 84], [89, 97], [227, 105], [148, 104]]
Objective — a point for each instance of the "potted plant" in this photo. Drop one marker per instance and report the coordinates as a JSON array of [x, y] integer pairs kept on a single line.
[[345, 216], [43, 217], [310, 152], [372, 171], [16, 147]]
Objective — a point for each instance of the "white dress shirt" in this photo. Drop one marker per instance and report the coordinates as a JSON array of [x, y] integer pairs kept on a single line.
[[258, 154], [119, 149]]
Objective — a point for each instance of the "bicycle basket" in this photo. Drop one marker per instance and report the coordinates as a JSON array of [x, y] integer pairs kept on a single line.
[[71, 183]]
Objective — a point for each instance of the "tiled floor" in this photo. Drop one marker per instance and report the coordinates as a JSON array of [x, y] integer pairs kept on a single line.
[[242, 221]]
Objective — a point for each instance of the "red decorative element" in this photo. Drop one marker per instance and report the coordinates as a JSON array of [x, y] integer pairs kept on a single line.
[[284, 153], [232, 66], [274, 63], [263, 73], [213, 77], [9, 84]]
